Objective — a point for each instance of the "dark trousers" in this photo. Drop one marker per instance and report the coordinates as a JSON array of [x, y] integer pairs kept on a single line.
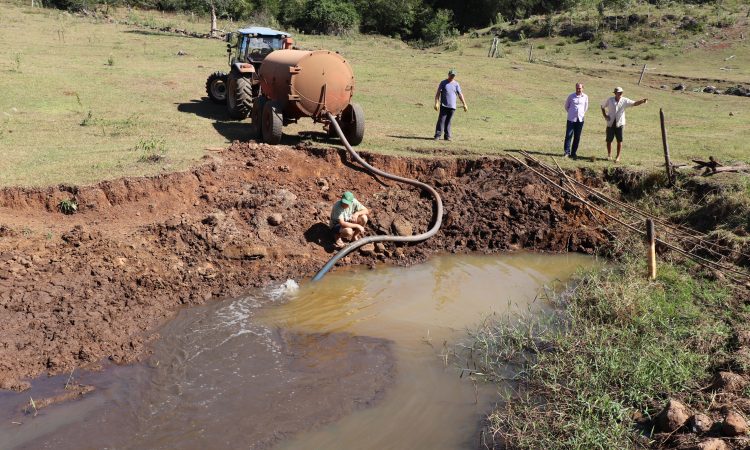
[[572, 131], [444, 122]]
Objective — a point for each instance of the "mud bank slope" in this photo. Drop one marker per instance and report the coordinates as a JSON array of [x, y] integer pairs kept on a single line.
[[78, 288]]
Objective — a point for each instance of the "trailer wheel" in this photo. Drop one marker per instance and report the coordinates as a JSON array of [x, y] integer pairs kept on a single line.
[[216, 87], [352, 123], [256, 117], [239, 96], [273, 122]]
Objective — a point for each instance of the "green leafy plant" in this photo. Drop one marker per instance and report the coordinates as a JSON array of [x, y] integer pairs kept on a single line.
[[68, 206], [153, 150], [111, 61]]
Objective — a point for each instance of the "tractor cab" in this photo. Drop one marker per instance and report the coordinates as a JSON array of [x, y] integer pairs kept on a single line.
[[253, 44]]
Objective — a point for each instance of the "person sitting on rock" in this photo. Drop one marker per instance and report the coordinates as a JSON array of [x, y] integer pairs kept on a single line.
[[348, 219]]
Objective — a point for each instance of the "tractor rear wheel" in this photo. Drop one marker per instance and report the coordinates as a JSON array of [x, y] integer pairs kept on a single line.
[[352, 123], [216, 87], [239, 96], [256, 117], [273, 122]]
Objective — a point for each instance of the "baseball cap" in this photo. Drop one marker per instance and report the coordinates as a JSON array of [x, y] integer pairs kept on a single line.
[[618, 89], [452, 72], [347, 198]]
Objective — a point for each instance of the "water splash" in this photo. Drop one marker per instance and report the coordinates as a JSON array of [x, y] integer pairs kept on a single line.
[[287, 288]]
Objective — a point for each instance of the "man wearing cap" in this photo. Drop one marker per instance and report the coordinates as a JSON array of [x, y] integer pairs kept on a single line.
[[576, 106], [348, 219], [613, 110], [445, 101]]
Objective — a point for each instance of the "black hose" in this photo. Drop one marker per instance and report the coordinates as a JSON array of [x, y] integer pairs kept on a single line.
[[356, 244]]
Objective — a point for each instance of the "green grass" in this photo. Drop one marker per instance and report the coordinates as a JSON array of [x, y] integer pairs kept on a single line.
[[621, 344], [104, 87]]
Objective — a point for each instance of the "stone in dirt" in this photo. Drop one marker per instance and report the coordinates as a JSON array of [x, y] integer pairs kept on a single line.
[[700, 423], [712, 444], [729, 382], [379, 247], [367, 249], [402, 227], [214, 218], [734, 425], [673, 416], [275, 219]]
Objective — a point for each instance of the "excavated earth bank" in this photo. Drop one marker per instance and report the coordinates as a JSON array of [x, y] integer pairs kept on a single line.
[[75, 289]]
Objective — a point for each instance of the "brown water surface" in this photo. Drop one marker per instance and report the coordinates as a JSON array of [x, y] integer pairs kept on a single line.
[[356, 360]]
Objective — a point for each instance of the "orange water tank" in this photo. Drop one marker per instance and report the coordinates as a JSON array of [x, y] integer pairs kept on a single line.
[[307, 83]]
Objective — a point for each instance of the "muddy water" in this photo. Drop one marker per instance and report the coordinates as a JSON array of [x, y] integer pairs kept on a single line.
[[356, 360]]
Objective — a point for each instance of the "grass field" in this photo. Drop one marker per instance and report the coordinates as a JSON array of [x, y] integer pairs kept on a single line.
[[86, 100]]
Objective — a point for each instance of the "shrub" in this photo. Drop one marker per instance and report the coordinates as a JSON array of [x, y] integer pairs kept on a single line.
[[438, 28], [68, 206], [328, 17]]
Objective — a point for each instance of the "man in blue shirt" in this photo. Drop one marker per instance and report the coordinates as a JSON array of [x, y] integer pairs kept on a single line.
[[445, 101]]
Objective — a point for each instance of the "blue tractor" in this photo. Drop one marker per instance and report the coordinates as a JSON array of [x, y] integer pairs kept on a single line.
[[247, 47]]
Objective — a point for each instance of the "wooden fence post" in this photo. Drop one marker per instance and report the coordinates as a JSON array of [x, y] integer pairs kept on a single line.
[[642, 72], [651, 238], [667, 161]]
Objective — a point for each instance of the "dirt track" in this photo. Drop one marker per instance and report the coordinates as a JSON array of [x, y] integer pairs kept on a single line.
[[79, 288]]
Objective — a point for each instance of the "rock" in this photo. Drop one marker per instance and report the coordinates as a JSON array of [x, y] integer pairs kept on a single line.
[[663, 86], [322, 184], [379, 247], [587, 35], [399, 252], [367, 250], [700, 423], [679, 87], [603, 45], [214, 218], [729, 382], [734, 425], [709, 89], [738, 90], [440, 174], [712, 444], [402, 227], [247, 251], [673, 416], [275, 219]]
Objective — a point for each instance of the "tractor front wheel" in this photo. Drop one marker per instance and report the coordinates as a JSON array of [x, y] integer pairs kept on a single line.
[[256, 117], [216, 87], [352, 123], [273, 122], [239, 96]]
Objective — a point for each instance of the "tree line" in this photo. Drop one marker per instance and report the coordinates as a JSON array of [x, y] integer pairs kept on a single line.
[[422, 21]]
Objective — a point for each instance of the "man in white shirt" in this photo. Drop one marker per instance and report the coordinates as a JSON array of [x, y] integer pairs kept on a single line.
[[576, 105], [613, 110]]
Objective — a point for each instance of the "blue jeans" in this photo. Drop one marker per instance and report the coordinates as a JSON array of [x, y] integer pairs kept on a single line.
[[444, 122], [572, 131]]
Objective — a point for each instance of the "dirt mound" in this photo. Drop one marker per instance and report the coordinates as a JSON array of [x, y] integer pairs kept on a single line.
[[78, 288]]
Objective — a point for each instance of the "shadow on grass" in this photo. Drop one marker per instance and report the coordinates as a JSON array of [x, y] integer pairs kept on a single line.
[[162, 33], [235, 130], [416, 138], [581, 158]]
